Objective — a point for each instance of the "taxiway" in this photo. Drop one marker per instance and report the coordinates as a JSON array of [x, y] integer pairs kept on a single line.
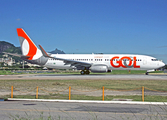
[[79, 111], [85, 77]]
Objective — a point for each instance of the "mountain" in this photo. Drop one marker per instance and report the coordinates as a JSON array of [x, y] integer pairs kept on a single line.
[[57, 51], [8, 47], [4, 46]]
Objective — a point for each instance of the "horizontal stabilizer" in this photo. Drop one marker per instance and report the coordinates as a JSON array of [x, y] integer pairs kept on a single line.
[[14, 54], [17, 55]]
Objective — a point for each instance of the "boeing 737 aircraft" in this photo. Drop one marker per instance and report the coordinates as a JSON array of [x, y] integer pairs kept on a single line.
[[98, 63]]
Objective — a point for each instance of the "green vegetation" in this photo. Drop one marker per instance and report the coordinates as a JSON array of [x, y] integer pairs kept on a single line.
[[10, 48], [5, 72], [160, 85], [51, 89], [117, 72], [14, 69]]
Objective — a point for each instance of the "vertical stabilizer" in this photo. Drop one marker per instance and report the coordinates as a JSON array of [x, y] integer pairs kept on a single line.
[[27, 46]]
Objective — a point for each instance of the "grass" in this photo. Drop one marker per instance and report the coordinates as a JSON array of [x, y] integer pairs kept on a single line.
[[114, 72], [121, 72], [28, 87], [84, 84], [6, 72]]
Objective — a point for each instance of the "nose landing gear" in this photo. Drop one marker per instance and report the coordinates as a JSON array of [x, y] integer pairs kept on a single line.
[[146, 73]]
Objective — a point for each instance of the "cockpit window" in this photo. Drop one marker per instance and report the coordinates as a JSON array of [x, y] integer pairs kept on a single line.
[[154, 59]]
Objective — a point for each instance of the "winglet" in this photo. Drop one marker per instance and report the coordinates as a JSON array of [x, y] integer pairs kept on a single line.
[[44, 52]]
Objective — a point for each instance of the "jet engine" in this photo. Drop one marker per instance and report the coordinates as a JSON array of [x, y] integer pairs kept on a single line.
[[99, 68]]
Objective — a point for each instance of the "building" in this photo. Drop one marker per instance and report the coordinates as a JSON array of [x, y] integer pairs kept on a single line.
[[7, 60]]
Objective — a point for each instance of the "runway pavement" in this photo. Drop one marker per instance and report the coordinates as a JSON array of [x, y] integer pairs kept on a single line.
[[79, 111], [81, 77]]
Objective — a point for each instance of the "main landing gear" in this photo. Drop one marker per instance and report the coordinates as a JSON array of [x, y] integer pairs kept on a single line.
[[85, 72]]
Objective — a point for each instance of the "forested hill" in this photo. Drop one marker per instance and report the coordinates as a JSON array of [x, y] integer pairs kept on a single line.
[[8, 47]]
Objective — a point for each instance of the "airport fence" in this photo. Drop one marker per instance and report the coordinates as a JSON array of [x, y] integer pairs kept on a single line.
[[68, 92]]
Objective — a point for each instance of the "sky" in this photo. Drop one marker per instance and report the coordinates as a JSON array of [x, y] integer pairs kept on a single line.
[[89, 26]]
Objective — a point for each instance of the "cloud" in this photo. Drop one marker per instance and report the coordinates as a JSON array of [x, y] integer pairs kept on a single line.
[[161, 46], [18, 19]]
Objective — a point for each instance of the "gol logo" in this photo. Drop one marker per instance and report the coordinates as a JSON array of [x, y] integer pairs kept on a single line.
[[123, 62]]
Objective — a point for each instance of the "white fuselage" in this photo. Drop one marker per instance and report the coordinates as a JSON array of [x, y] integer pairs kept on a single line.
[[112, 61]]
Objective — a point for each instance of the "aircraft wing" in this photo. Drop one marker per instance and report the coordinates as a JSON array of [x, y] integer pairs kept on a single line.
[[67, 61], [17, 55]]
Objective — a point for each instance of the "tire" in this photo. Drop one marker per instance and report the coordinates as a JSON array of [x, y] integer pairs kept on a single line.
[[82, 72], [87, 72]]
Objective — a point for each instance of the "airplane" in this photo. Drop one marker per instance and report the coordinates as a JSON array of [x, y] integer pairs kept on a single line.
[[86, 63]]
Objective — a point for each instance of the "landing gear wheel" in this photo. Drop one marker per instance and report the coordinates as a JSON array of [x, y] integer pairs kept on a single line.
[[87, 72], [146, 73], [82, 72]]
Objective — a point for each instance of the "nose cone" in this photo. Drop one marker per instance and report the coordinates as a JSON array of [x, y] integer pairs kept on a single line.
[[162, 64]]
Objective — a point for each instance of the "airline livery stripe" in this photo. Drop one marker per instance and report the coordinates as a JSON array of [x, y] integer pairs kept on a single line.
[[32, 47]]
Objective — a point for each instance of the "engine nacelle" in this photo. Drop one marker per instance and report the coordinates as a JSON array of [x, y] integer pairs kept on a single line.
[[151, 70], [99, 69]]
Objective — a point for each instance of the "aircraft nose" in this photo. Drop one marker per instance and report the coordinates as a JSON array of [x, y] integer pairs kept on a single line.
[[162, 64]]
